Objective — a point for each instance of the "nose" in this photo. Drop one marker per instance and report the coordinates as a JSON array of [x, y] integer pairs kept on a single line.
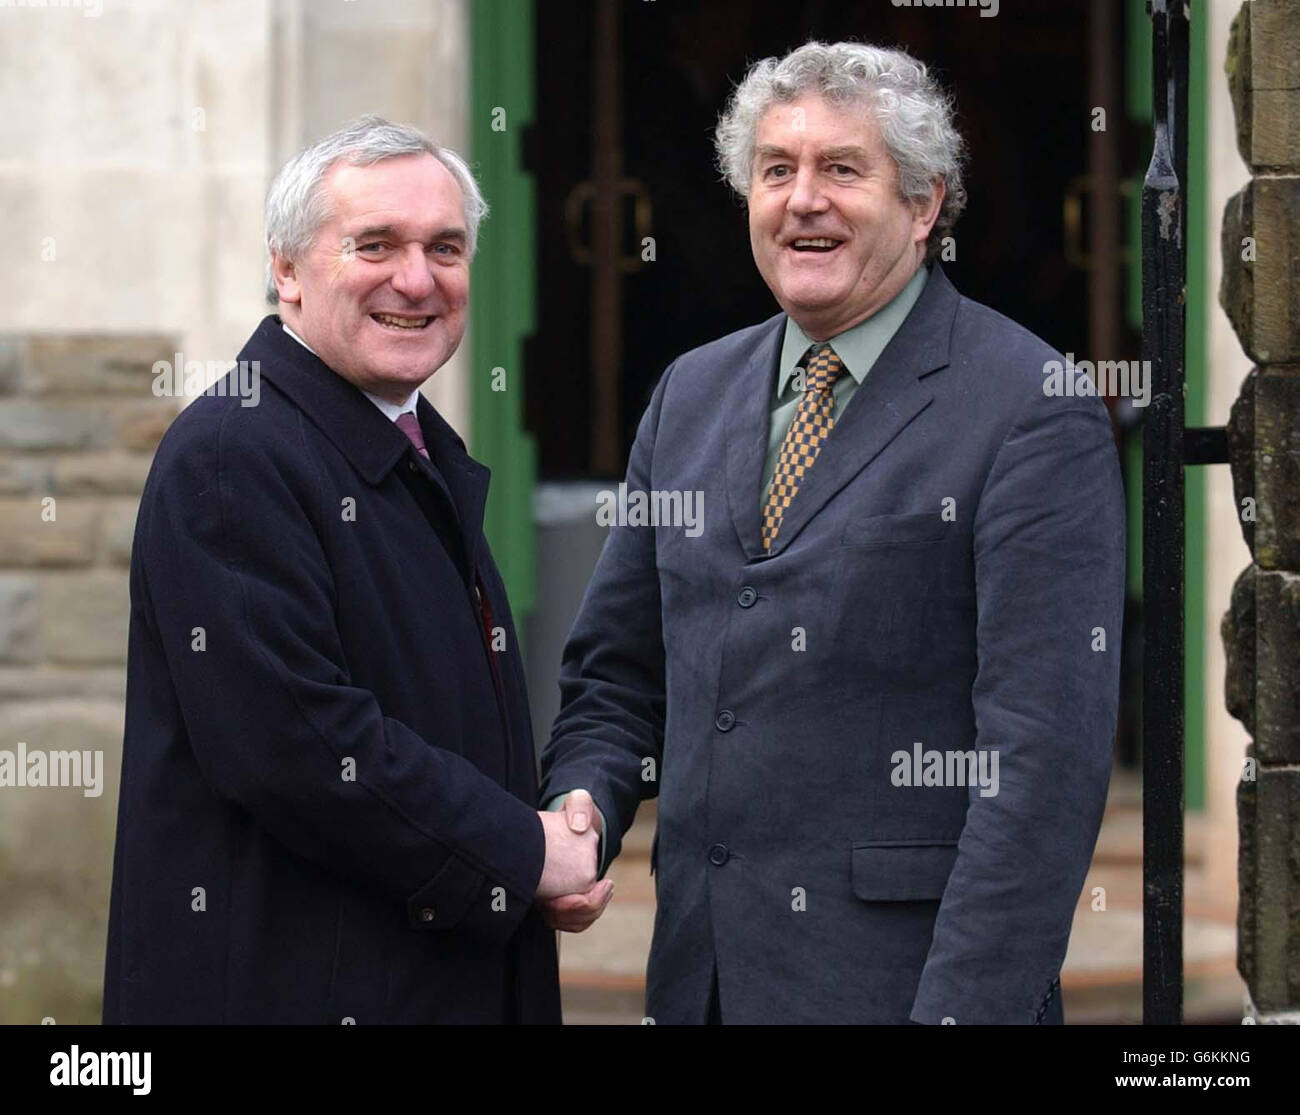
[[807, 197], [412, 278]]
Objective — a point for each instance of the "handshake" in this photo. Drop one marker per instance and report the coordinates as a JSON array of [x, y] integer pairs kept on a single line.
[[568, 894]]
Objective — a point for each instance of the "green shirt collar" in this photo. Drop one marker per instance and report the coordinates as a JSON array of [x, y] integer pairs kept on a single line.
[[858, 347]]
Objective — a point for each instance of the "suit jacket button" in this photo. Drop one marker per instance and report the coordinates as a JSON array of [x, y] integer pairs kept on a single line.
[[726, 720], [412, 466], [426, 914], [718, 855], [747, 597]]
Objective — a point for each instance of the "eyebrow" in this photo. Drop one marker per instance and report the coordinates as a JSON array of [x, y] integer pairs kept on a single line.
[[830, 154], [847, 151], [452, 232]]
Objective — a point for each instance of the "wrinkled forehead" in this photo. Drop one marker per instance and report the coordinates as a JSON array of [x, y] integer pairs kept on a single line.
[[412, 192], [812, 119]]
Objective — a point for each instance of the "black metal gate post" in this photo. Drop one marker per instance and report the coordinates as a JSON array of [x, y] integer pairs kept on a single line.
[[1164, 267]]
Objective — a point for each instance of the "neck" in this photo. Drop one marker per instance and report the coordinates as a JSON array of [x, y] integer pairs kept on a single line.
[[822, 327]]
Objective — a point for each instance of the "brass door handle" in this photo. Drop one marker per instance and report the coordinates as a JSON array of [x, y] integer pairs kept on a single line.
[[1072, 221], [576, 202]]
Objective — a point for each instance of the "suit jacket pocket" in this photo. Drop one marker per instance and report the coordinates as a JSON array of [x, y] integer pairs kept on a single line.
[[898, 530], [902, 870]]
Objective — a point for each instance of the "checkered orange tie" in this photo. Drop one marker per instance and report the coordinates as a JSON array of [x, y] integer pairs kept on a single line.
[[810, 428]]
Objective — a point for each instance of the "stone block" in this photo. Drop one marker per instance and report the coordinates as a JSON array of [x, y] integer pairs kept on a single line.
[[19, 474], [29, 683], [86, 617], [119, 530], [1241, 457], [1263, 68], [140, 426], [56, 852], [1261, 293], [28, 538], [20, 618], [1277, 649], [101, 473], [11, 366], [1269, 879], [94, 365], [1277, 467], [25, 424], [1247, 894], [1238, 630]]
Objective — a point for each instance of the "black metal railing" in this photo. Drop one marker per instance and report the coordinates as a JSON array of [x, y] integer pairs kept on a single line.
[[1167, 448]]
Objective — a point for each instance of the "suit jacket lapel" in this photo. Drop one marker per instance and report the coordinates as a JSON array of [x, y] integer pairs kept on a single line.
[[748, 402], [880, 409]]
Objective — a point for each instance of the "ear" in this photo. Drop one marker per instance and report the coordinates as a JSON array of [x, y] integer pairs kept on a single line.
[[286, 279], [925, 213]]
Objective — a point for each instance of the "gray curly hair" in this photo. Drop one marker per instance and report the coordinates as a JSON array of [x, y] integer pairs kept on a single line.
[[296, 206], [914, 114]]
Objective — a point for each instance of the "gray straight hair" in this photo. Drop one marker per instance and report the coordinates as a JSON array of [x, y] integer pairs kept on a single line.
[[913, 113], [296, 206]]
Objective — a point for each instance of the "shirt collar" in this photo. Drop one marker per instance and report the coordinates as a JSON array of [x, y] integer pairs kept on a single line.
[[858, 347], [391, 411]]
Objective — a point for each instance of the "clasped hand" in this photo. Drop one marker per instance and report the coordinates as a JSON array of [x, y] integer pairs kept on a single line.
[[568, 894]]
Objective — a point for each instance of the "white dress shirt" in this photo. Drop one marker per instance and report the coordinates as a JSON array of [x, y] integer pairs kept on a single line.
[[391, 410]]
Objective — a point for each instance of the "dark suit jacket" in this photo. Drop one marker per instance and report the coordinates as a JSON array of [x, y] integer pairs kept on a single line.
[[332, 759], [786, 854]]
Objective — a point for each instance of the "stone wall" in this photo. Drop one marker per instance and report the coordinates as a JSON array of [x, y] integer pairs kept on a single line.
[[78, 427], [1261, 293], [138, 146]]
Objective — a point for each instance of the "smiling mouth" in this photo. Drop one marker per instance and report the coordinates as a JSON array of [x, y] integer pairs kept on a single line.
[[815, 244], [401, 323]]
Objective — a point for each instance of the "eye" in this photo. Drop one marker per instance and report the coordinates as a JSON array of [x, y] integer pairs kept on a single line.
[[842, 170], [374, 246], [771, 172], [447, 249]]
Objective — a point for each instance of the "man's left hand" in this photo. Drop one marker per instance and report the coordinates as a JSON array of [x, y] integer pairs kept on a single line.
[[572, 913]]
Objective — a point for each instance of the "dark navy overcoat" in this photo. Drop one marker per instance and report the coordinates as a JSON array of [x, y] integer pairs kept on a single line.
[[328, 790]]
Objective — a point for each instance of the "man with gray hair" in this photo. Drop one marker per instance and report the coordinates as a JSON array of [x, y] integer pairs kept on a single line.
[[328, 808], [876, 696]]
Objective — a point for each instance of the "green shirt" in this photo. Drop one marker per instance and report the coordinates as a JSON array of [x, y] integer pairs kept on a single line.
[[858, 348]]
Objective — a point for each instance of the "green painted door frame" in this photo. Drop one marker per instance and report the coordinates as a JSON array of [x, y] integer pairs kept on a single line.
[[503, 303]]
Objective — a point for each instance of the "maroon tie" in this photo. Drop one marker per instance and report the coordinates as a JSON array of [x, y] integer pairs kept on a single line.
[[410, 426]]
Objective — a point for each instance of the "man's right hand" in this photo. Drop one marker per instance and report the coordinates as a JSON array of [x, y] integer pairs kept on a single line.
[[570, 866]]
